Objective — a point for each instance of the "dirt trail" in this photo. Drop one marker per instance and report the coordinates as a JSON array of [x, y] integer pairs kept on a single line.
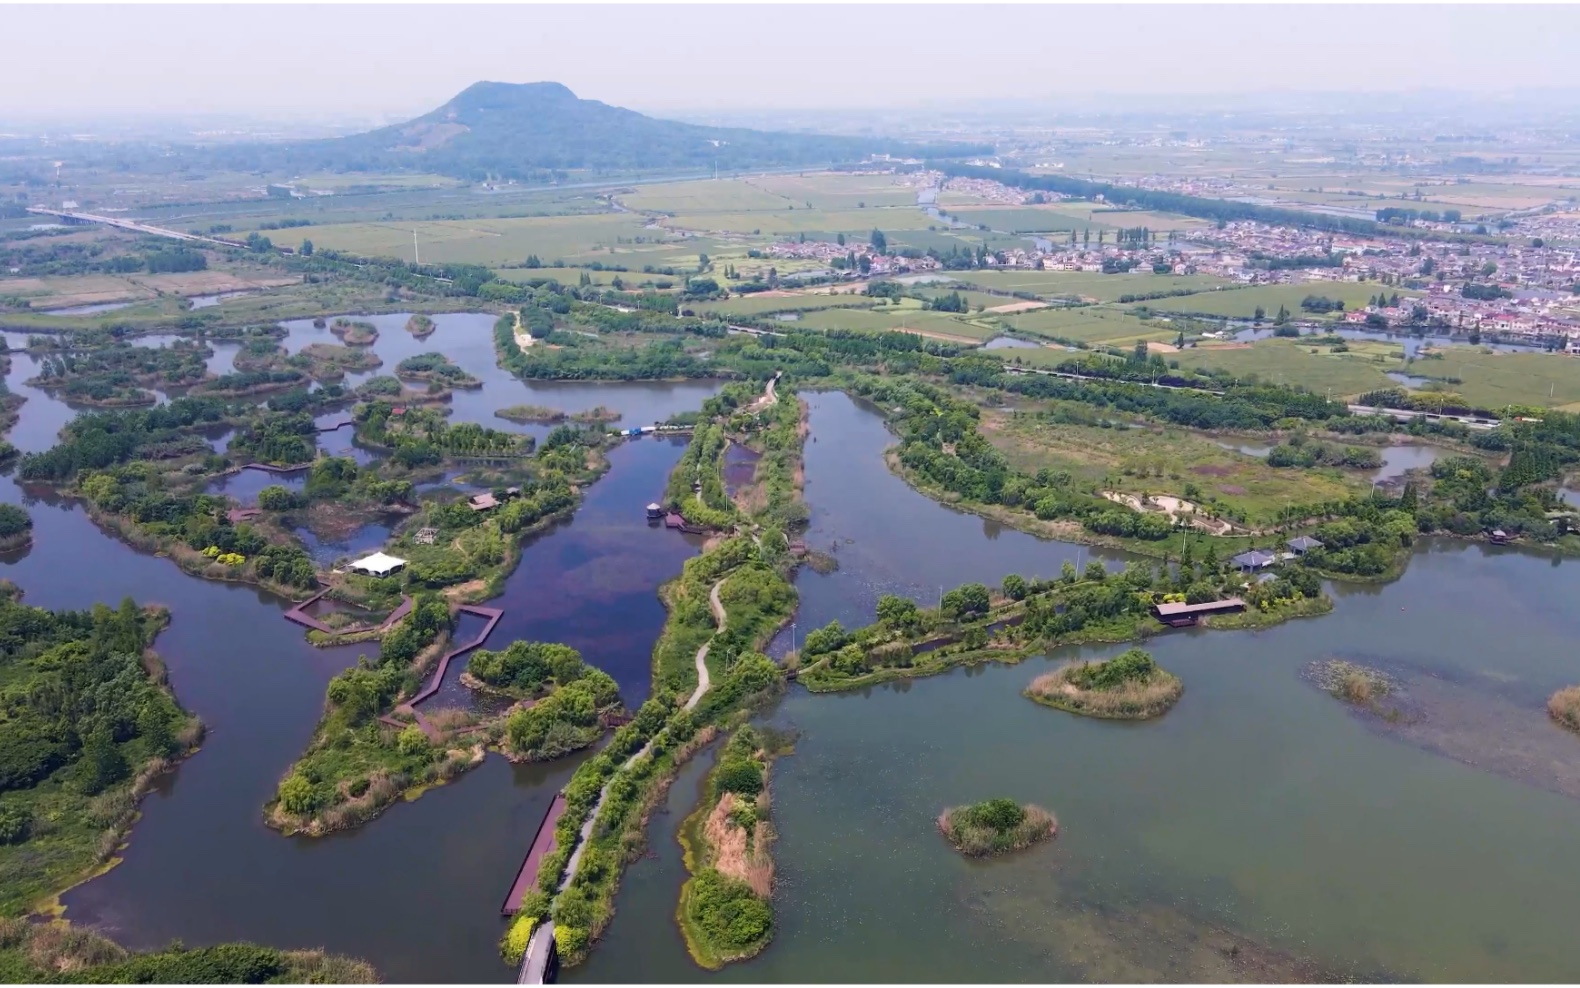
[[719, 618]]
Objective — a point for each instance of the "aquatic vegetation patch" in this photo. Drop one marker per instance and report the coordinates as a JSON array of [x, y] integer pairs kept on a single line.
[[1130, 686], [1351, 682], [996, 826], [1564, 706]]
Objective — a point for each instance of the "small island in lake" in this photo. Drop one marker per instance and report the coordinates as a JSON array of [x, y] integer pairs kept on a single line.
[[726, 905], [525, 414], [421, 326], [996, 826], [355, 332], [1129, 686], [1564, 706], [435, 367]]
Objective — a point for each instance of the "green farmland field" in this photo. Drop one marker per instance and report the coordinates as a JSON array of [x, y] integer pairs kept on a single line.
[[1243, 302], [1102, 287], [486, 241], [1284, 361], [1085, 324]]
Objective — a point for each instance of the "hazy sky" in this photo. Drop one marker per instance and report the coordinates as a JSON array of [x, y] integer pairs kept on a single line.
[[312, 61]]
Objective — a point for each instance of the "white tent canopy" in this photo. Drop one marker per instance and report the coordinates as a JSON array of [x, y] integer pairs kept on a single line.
[[378, 564]]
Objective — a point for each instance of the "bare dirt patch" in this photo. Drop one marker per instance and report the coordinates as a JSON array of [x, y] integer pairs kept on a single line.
[[737, 854], [1018, 307]]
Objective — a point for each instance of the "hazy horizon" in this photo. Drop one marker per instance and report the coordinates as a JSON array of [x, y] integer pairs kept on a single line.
[[313, 63]]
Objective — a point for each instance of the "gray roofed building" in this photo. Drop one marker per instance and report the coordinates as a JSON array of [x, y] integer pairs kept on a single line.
[[1255, 559]]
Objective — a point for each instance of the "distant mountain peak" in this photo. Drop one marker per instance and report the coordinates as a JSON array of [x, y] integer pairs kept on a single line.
[[535, 130]]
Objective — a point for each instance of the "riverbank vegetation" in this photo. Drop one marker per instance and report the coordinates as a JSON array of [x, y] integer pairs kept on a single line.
[[995, 826], [1129, 686], [88, 724], [726, 909], [16, 528], [40, 953], [975, 624]]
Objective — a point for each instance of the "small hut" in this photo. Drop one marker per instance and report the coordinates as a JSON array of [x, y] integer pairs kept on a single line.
[[655, 511]]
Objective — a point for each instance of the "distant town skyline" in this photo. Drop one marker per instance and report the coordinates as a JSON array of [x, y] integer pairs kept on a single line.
[[319, 62]]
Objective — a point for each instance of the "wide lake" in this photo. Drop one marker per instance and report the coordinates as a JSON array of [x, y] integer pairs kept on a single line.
[[1259, 830]]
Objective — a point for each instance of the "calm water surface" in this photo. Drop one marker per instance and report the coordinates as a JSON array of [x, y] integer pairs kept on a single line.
[[1258, 806], [418, 891]]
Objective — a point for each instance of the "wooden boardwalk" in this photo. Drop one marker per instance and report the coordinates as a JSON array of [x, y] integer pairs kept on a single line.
[[299, 615], [542, 846], [493, 614]]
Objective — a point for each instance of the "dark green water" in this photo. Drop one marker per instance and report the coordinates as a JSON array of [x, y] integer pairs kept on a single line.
[[1260, 813]]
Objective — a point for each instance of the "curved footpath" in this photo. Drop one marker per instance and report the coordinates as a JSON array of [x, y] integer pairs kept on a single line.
[[719, 618], [533, 963]]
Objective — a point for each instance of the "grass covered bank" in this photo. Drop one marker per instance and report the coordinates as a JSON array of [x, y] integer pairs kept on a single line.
[[56, 952]]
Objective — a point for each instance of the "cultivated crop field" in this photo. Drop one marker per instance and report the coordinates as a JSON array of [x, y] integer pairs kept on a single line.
[[819, 222], [703, 196], [1242, 303], [836, 192], [484, 241], [1286, 361], [763, 303], [905, 319], [1492, 379], [1101, 287], [1083, 324]]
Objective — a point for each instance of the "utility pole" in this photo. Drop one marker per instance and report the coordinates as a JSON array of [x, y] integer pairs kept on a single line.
[[416, 259]]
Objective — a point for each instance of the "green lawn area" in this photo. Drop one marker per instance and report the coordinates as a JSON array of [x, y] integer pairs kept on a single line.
[[1491, 379], [1163, 460], [1284, 361], [1242, 302], [1102, 287], [1086, 324]]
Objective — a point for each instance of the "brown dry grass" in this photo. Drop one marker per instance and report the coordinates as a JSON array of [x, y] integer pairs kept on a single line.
[[737, 854], [1564, 706], [1131, 701]]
